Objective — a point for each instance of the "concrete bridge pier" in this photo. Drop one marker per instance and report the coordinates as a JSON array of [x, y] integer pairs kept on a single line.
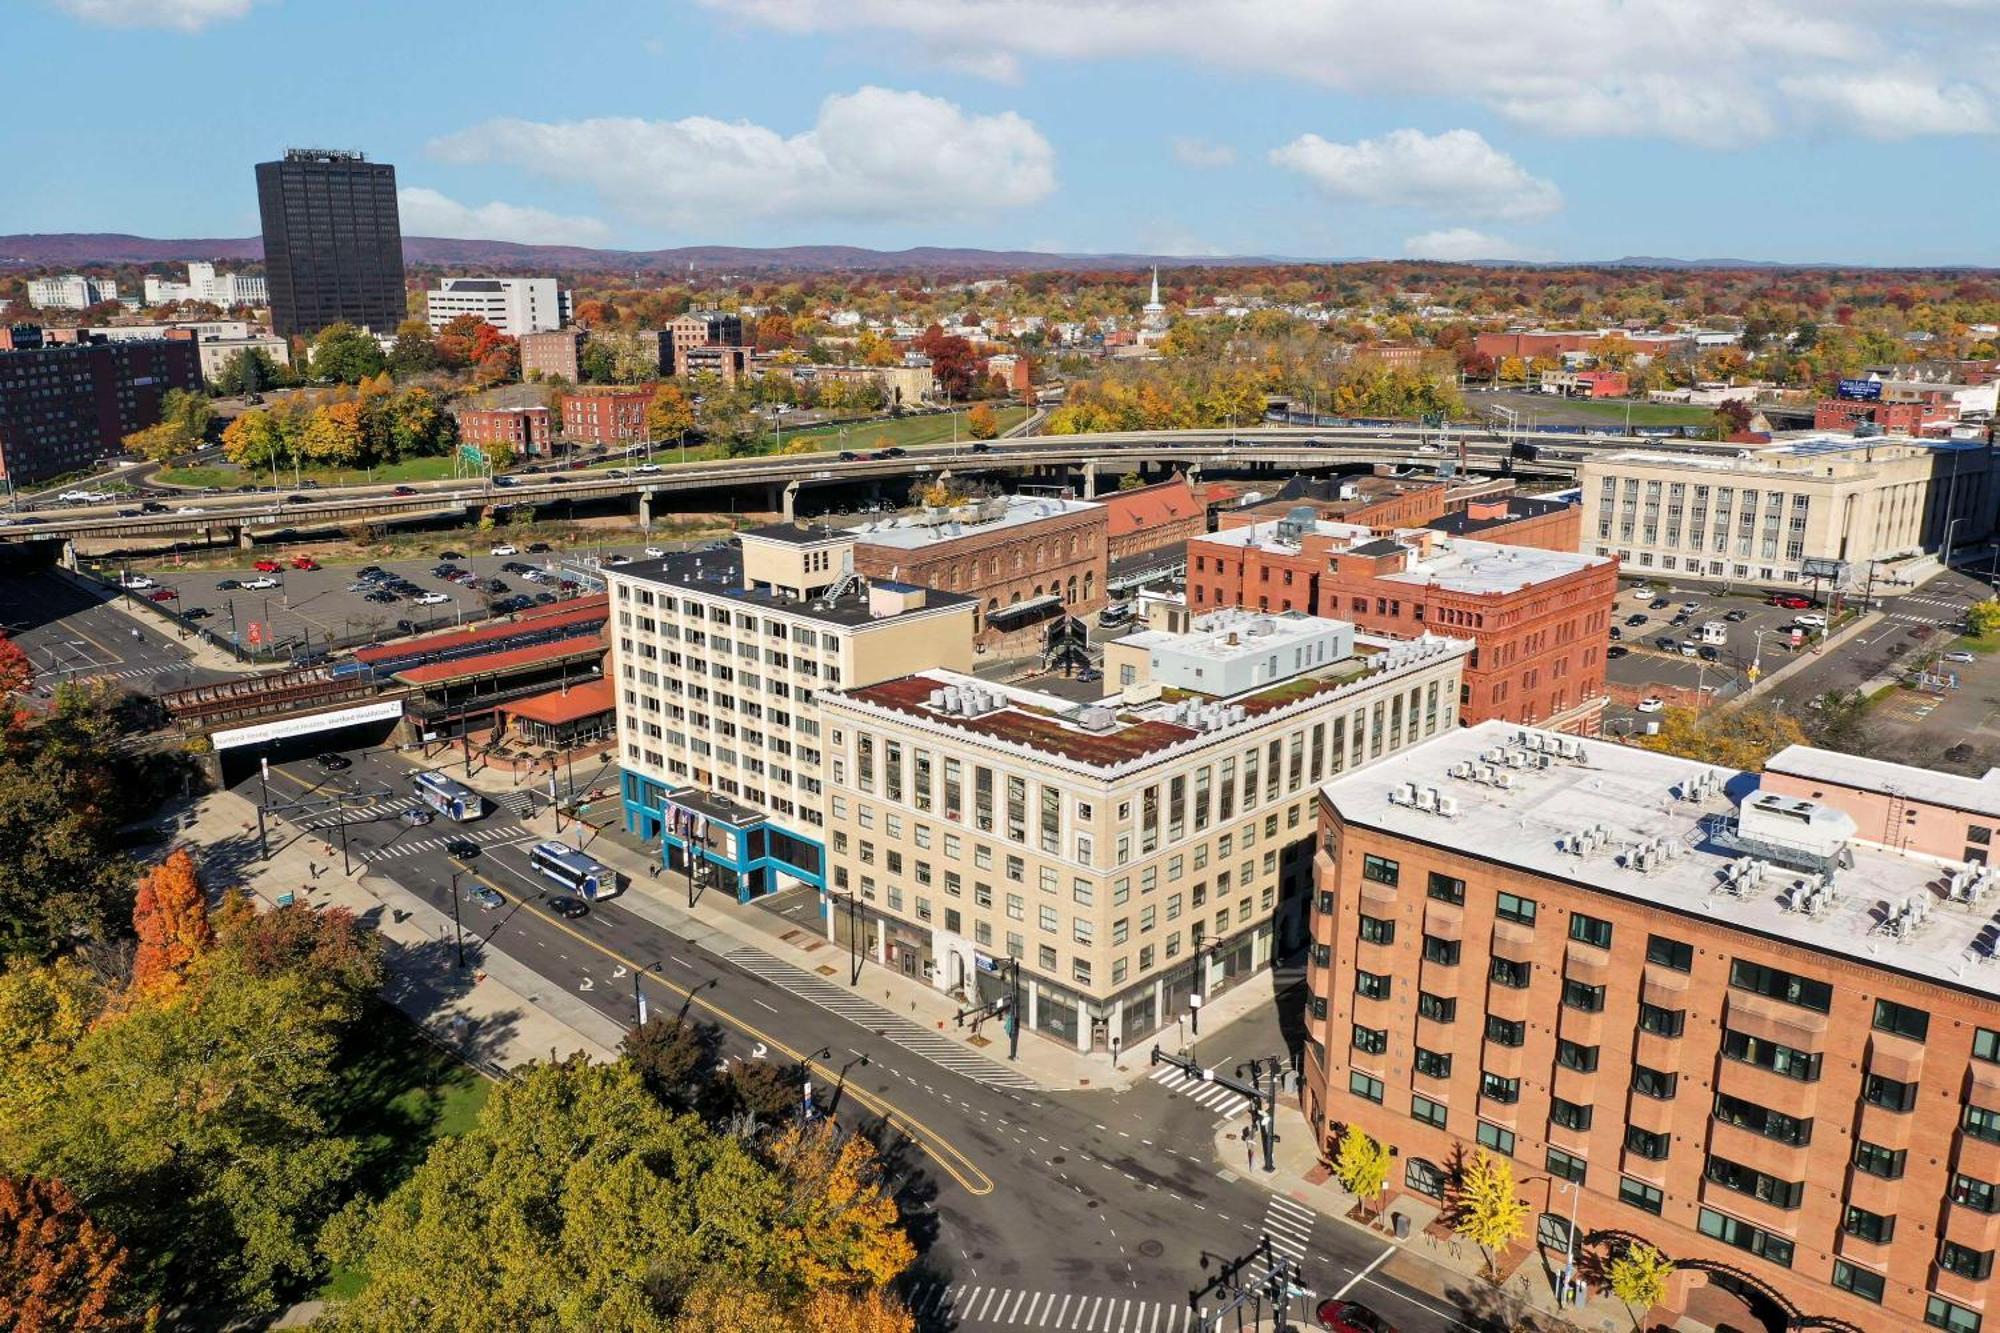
[[646, 510], [1090, 478], [245, 540], [790, 505]]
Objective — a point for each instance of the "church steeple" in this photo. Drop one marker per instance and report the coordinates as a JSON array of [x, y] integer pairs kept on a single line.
[[1155, 302]]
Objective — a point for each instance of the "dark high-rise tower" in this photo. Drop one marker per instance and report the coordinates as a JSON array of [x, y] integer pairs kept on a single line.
[[333, 245]]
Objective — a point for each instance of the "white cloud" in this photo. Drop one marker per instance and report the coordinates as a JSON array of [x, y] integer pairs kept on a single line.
[[872, 155], [1692, 70], [1202, 153], [1460, 245], [1896, 105], [186, 15], [1453, 172], [428, 213]]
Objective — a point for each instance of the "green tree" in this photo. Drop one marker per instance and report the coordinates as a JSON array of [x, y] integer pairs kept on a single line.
[[1638, 1277], [1483, 1206], [579, 1202], [63, 881], [250, 370], [1361, 1165], [673, 1057], [344, 354], [415, 350]]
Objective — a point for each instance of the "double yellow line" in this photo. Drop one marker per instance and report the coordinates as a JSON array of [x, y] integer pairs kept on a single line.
[[936, 1146]]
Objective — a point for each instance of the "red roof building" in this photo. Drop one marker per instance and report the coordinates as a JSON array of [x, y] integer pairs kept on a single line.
[[1152, 518]]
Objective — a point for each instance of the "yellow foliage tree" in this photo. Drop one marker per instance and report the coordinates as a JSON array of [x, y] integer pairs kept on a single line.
[[171, 918], [982, 422], [1983, 616], [1361, 1165], [856, 1312], [1742, 739], [1484, 1207], [670, 415], [837, 1218], [1638, 1277]]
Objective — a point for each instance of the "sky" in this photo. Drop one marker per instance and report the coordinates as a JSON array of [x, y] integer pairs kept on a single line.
[[1783, 130]]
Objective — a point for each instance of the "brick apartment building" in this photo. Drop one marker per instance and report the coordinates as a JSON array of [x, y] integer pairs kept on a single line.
[[556, 354], [684, 333], [1541, 618], [1716, 1018], [526, 430], [63, 407], [1024, 559], [1907, 418], [606, 416]]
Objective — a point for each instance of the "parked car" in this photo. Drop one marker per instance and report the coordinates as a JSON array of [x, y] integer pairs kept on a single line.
[[1708, 653], [1616, 651], [494, 585], [260, 584], [618, 558], [539, 548], [369, 572], [228, 585], [1736, 617], [1811, 620], [1791, 601], [136, 582], [654, 553], [1665, 643], [544, 598], [568, 908], [1617, 633], [304, 562], [1658, 604], [1635, 621], [431, 599], [267, 566], [505, 549], [1652, 704], [163, 595], [1960, 655], [451, 555], [196, 613]]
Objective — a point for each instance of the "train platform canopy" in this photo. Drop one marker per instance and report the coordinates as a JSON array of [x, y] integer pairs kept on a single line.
[[558, 706], [581, 610], [482, 666]]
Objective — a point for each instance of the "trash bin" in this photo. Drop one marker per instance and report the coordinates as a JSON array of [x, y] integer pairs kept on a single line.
[[1402, 1225]]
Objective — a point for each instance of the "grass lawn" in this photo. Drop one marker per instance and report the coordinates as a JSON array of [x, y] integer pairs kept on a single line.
[[402, 1094], [229, 476], [221, 474], [1643, 414]]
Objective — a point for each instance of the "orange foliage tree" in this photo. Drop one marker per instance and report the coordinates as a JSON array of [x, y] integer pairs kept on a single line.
[[16, 671], [171, 917], [59, 1271]]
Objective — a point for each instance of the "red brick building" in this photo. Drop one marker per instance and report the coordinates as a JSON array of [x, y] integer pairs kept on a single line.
[[606, 416], [1153, 517], [63, 407], [1529, 345], [1785, 1078], [1541, 618], [1844, 414], [526, 430], [1516, 520], [554, 354]]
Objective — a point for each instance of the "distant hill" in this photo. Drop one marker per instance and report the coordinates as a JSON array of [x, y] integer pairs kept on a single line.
[[77, 248]]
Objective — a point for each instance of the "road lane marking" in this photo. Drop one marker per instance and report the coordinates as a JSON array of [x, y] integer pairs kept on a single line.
[[1373, 1264]]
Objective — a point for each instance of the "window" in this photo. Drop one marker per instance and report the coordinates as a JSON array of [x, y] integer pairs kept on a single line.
[[1640, 1195], [1570, 1115], [1978, 1195], [1047, 955], [1440, 951], [1868, 1226], [1800, 1065], [1049, 920], [1655, 1083], [1647, 1144], [1877, 1160], [1888, 1093], [1986, 1045], [1982, 1123], [1753, 1240], [1774, 984], [1446, 889], [1374, 1041], [1372, 985], [1428, 1111], [1512, 907], [1571, 1055], [1670, 953], [1661, 1022], [1498, 1139], [1580, 995], [1493, 1087], [1364, 1085], [1437, 1008], [1868, 1286], [1433, 1064], [1380, 869], [1941, 1313], [1965, 1261], [1902, 1020], [1748, 1180], [1567, 1166], [1376, 930], [1508, 972], [1590, 930], [1505, 1031]]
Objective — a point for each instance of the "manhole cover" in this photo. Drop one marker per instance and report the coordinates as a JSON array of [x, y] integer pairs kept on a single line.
[[1090, 1203], [1057, 1161], [1152, 1249]]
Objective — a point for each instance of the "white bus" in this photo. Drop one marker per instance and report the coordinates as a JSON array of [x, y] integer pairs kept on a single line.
[[575, 872], [453, 800]]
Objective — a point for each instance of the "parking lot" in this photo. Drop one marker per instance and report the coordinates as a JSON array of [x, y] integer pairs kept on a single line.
[[304, 605], [1646, 662]]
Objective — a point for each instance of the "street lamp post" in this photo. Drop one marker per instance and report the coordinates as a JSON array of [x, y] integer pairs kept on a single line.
[[457, 926]]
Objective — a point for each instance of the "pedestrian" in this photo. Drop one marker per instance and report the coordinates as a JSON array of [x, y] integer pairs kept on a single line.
[[1249, 1155]]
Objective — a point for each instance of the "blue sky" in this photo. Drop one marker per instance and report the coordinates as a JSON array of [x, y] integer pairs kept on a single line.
[[1569, 129]]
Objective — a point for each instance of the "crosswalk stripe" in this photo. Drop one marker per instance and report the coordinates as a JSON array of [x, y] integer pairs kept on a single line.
[[1064, 1312]]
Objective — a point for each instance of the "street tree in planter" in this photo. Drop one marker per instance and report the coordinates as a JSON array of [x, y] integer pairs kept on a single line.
[[1638, 1277], [1361, 1165], [1484, 1208]]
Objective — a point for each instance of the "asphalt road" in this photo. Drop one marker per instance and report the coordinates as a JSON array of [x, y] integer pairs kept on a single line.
[[72, 635], [1091, 1211], [1941, 601]]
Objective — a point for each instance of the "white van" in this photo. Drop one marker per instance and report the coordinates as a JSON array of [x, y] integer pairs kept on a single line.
[[1715, 632]]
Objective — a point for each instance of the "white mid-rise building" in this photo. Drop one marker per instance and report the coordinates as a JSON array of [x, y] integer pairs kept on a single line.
[[205, 284], [512, 305], [71, 291]]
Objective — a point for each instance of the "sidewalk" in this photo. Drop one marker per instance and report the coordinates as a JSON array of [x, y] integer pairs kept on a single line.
[[721, 925], [1431, 1260], [496, 1014]]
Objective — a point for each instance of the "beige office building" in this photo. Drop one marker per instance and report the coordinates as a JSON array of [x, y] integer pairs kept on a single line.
[[720, 657], [1775, 515], [1131, 852]]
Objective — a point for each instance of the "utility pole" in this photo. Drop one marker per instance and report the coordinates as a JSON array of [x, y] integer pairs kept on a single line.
[[1263, 1109], [1005, 1006], [457, 926], [340, 813]]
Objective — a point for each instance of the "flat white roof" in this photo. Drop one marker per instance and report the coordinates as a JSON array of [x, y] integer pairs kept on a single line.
[[1926, 785], [1460, 564], [909, 531], [1256, 633], [1631, 794]]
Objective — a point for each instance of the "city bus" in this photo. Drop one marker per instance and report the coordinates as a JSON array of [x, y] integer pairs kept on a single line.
[[575, 872], [453, 800]]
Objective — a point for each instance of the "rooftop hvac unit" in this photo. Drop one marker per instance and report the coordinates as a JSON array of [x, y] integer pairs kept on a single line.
[[1427, 798], [1406, 793], [1459, 770], [1517, 759], [1488, 774], [1503, 780], [1448, 806], [937, 701], [954, 700]]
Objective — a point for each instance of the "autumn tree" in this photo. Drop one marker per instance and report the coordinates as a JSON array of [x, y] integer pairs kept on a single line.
[[1638, 1277], [1483, 1206], [1361, 1165], [1741, 738], [673, 1057], [17, 673], [982, 423], [670, 416], [171, 919], [60, 1272], [1983, 617], [952, 362], [872, 349]]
